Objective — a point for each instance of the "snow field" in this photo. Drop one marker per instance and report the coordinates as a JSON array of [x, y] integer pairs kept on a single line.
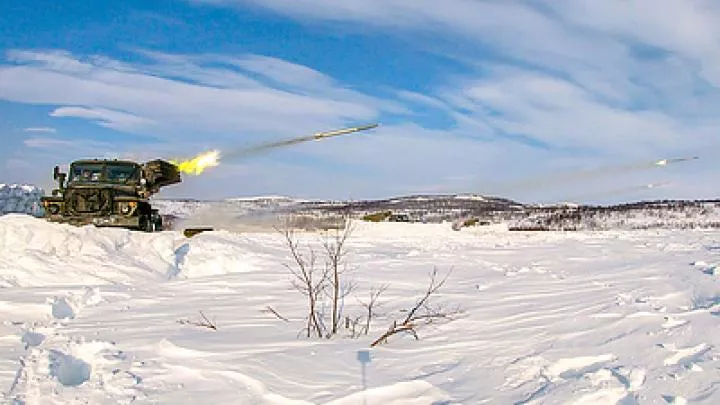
[[94, 316]]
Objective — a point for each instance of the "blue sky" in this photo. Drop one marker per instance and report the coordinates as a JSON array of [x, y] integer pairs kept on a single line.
[[530, 100]]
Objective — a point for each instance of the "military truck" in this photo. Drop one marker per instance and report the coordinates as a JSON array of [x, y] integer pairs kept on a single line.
[[109, 193]]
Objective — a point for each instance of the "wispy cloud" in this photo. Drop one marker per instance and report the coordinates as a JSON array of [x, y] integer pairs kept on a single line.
[[61, 149], [632, 54], [40, 129], [46, 143], [106, 118], [563, 114], [529, 30], [177, 96]]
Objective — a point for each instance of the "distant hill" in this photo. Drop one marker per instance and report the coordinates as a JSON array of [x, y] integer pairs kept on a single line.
[[670, 214], [474, 208]]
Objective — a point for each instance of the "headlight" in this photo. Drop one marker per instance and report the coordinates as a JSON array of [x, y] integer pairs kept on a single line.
[[127, 208], [54, 209]]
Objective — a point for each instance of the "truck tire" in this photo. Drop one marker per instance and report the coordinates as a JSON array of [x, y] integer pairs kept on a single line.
[[145, 224], [158, 223], [156, 220]]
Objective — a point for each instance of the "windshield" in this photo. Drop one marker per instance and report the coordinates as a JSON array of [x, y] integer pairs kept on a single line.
[[102, 173], [121, 173], [88, 173]]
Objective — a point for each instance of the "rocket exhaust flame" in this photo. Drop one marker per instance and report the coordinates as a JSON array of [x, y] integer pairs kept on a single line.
[[198, 164], [665, 162]]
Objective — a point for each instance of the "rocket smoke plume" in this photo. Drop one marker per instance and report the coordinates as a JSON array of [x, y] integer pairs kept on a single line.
[[618, 191], [198, 164], [551, 180], [253, 150]]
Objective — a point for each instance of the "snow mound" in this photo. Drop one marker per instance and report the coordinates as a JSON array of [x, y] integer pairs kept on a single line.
[[20, 198], [219, 253], [34, 252]]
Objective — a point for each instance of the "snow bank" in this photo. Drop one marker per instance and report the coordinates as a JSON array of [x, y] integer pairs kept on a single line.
[[37, 253], [34, 252], [20, 198], [219, 253]]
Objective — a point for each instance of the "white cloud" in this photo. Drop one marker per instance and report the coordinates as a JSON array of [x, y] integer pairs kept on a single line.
[[525, 28], [107, 118], [594, 43], [284, 72], [58, 61], [208, 100], [40, 129], [422, 99], [518, 29], [565, 115], [47, 143], [45, 149]]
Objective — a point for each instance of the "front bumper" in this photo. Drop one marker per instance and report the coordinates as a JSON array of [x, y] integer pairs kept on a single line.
[[119, 221]]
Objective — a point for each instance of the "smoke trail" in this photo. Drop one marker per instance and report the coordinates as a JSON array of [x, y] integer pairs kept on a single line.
[[254, 150], [617, 191], [580, 175]]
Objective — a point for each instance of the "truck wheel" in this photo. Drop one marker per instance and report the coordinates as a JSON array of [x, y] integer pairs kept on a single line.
[[145, 224], [158, 224], [156, 220]]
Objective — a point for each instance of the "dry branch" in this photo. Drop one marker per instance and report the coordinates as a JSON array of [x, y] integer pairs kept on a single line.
[[205, 322], [371, 304], [410, 322], [432, 289], [394, 329], [276, 313], [335, 252]]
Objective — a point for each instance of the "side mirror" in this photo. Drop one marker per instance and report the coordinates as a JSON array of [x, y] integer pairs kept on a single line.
[[60, 177]]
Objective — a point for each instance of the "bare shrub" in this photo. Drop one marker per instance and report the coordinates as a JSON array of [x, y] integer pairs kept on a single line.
[[335, 252], [322, 284], [325, 286], [307, 280], [422, 311]]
